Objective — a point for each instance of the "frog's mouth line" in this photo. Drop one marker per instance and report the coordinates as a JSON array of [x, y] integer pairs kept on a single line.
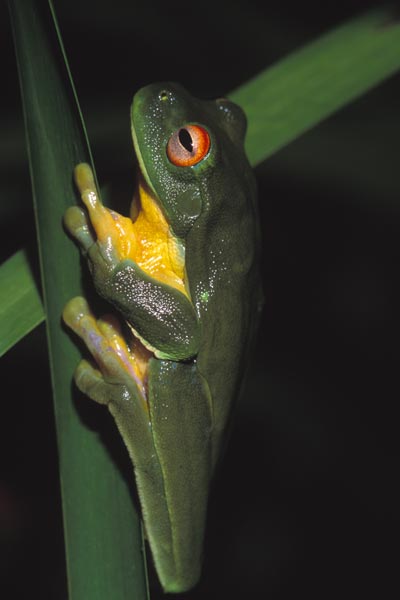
[[140, 161]]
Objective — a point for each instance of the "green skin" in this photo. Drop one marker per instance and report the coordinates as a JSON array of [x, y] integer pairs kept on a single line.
[[201, 346]]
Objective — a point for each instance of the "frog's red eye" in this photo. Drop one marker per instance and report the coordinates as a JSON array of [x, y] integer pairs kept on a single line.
[[188, 145]]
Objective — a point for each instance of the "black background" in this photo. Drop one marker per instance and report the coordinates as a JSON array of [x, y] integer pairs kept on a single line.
[[306, 502]]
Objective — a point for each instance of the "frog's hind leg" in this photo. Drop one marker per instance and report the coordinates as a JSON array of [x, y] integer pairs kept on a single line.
[[117, 366], [116, 384], [181, 426]]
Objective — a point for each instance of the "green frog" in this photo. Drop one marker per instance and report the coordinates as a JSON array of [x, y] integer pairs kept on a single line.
[[181, 272]]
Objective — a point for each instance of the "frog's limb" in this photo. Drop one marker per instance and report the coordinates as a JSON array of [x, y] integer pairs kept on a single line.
[[115, 235], [120, 365], [172, 466], [162, 317], [111, 384], [100, 230], [177, 395]]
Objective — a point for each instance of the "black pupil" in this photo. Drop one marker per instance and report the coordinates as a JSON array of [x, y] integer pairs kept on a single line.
[[186, 139]]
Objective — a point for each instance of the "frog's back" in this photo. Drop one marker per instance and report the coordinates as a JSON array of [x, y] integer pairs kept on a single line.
[[222, 265]]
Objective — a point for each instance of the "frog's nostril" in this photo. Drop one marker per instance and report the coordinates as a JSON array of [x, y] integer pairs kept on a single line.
[[163, 95]]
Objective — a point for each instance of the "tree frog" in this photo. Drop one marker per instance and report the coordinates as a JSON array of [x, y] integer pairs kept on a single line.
[[181, 271]]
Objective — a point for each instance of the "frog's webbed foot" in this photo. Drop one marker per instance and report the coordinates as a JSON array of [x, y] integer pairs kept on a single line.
[[121, 366]]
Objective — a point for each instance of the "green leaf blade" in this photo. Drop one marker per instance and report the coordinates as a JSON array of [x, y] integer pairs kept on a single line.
[[315, 81], [21, 307], [103, 537]]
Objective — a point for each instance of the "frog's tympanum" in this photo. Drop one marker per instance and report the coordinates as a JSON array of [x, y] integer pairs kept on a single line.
[[181, 273]]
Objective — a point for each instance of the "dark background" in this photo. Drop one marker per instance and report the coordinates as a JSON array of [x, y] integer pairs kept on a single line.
[[306, 502]]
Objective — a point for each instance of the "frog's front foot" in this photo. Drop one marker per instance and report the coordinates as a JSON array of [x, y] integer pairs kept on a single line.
[[104, 236], [120, 366]]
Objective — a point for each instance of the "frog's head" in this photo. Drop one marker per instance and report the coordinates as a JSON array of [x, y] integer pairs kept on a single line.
[[179, 141]]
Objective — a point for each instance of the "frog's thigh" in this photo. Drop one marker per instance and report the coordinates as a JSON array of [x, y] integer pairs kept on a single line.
[[181, 423]]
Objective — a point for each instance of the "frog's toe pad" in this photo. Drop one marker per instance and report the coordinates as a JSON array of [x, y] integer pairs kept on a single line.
[[77, 223], [78, 316], [74, 311], [84, 178], [90, 381]]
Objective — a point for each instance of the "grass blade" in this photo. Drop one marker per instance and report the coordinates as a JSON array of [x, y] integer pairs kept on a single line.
[[312, 83], [21, 307], [102, 532]]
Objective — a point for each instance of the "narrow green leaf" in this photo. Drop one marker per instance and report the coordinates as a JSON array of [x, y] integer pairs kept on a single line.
[[21, 307], [104, 545], [309, 85]]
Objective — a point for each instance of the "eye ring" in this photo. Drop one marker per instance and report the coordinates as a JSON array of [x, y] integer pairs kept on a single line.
[[188, 145]]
